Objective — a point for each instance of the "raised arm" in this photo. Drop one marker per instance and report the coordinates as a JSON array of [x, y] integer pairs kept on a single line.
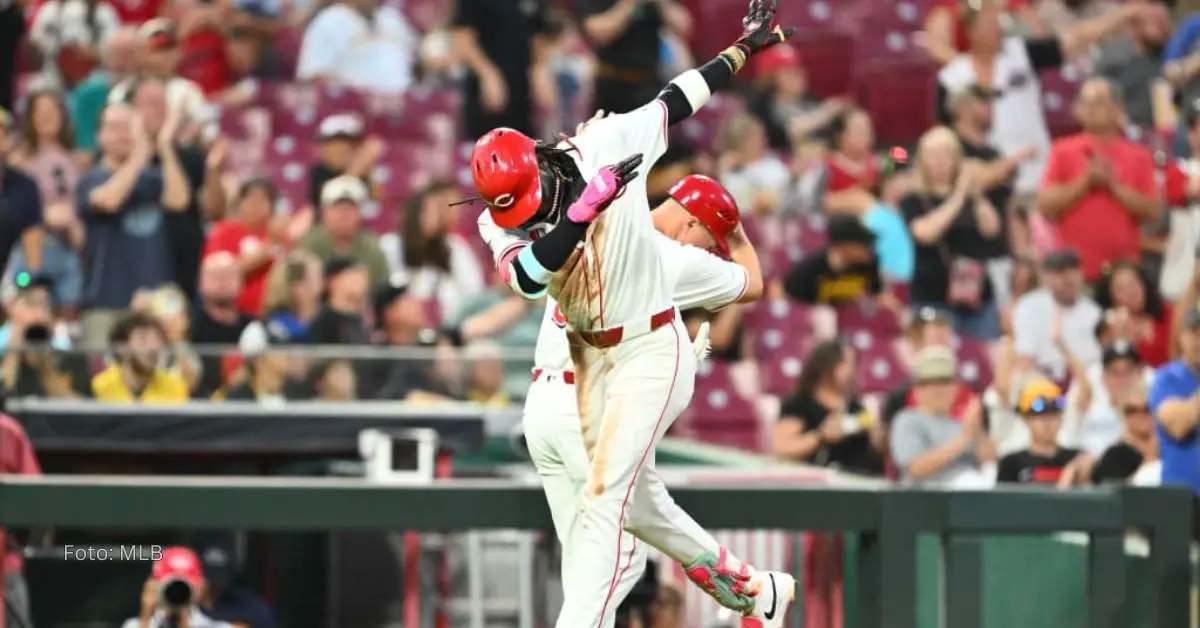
[[688, 92]]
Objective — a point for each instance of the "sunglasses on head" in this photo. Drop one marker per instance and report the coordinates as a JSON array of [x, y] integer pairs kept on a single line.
[[1045, 405]]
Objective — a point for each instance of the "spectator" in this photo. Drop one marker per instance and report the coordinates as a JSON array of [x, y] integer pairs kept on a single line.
[[971, 118], [1093, 420], [200, 28], [1035, 316], [504, 46], [852, 172], [843, 272], [175, 564], [1124, 286], [69, 35], [17, 457], [359, 44], [340, 233], [340, 319], [951, 219], [44, 153], [123, 200], [264, 348], [159, 59], [1041, 405], [137, 344], [757, 179], [223, 598], [205, 193], [945, 34], [253, 238], [118, 62], [1181, 68], [240, 87], [1099, 187], [782, 103], [216, 319], [21, 222], [439, 264], [625, 37], [293, 293], [928, 328], [335, 381], [1175, 402], [402, 322], [169, 306], [341, 150], [824, 422], [931, 444], [1136, 450], [485, 375], [35, 358], [894, 246], [1133, 64], [1011, 65]]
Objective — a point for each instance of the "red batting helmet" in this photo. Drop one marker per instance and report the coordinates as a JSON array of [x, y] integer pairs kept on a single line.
[[711, 204], [504, 166]]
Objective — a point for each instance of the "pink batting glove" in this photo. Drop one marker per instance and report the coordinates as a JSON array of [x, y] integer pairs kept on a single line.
[[605, 187]]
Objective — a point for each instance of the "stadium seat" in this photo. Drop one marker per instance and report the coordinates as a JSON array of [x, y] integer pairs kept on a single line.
[[879, 367], [900, 98]]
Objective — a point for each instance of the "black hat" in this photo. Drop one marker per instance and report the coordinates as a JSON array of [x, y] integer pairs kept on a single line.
[[338, 265], [258, 337], [849, 230], [1062, 259], [387, 294], [1120, 350]]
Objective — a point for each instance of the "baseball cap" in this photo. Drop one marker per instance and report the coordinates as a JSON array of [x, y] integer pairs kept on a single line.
[[1062, 259], [849, 230], [1040, 396], [158, 34], [1120, 350], [710, 204], [776, 58], [217, 562], [344, 188], [178, 563], [387, 294], [934, 364], [340, 126]]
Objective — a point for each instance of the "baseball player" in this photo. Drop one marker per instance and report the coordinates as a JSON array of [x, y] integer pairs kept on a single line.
[[699, 216], [565, 222]]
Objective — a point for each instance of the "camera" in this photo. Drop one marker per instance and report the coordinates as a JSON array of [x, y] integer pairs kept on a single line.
[[37, 334], [176, 594]]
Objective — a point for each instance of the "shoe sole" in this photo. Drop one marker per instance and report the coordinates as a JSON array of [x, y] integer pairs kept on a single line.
[[755, 622]]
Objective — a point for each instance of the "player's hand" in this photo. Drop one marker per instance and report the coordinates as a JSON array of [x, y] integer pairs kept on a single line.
[[604, 188], [701, 346], [759, 30]]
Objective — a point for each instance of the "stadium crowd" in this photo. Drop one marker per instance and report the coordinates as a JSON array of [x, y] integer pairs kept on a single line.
[[978, 219]]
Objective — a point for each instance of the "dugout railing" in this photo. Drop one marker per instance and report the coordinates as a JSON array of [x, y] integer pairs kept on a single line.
[[885, 523]]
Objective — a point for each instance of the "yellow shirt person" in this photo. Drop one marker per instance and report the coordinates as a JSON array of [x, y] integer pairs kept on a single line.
[[163, 387]]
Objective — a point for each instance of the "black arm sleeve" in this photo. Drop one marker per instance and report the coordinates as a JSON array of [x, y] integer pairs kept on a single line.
[[717, 73], [1045, 53], [941, 112], [551, 251]]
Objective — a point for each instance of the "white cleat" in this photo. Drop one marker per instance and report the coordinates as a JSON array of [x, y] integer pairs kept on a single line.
[[776, 592]]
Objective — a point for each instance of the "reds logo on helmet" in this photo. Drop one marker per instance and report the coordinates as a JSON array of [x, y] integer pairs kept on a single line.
[[559, 319]]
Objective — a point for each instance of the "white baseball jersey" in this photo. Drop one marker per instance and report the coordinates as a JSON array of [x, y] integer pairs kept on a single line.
[[696, 277], [616, 278]]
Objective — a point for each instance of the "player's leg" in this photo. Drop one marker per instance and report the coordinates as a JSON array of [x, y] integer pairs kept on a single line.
[[649, 382], [552, 434], [654, 517]]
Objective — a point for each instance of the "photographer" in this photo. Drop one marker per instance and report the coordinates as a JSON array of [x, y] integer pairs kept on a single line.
[[171, 596], [34, 362], [137, 373]]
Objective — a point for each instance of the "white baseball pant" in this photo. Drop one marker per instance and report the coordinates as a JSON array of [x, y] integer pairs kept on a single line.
[[628, 395]]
